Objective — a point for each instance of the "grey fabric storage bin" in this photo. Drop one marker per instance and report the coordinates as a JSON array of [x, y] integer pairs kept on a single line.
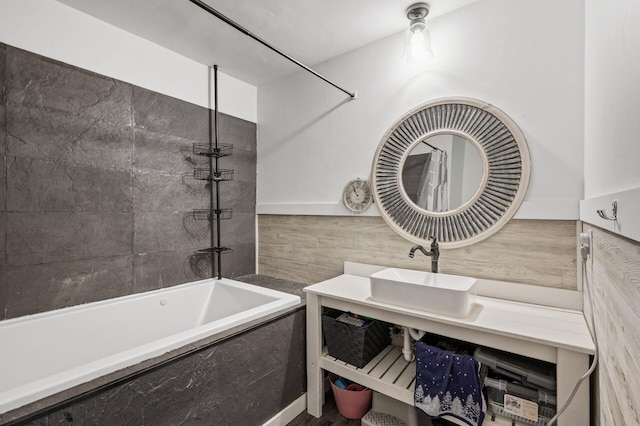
[[353, 344]]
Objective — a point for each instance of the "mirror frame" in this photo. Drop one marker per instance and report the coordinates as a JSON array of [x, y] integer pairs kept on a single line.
[[506, 172]]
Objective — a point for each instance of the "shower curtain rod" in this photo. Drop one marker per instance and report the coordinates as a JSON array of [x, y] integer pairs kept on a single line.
[[434, 147], [243, 30]]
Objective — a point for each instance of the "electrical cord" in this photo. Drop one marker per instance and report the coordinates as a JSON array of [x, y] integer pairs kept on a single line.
[[584, 251]]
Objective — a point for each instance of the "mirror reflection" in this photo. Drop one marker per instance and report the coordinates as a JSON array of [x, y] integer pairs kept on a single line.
[[442, 172]]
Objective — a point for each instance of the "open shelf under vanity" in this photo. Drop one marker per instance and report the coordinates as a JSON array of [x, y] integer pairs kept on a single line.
[[387, 373], [550, 334]]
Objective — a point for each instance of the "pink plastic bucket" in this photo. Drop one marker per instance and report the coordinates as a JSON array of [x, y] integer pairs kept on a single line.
[[353, 402]]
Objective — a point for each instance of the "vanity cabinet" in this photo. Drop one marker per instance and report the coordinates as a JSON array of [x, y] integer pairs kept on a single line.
[[558, 336]]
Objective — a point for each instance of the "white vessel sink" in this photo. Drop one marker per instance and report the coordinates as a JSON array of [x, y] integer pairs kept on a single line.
[[425, 291]]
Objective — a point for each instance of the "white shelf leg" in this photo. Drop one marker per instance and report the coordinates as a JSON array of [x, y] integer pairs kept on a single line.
[[315, 393], [570, 367]]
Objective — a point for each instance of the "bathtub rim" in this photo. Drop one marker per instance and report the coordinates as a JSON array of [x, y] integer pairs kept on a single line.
[[149, 294], [207, 335]]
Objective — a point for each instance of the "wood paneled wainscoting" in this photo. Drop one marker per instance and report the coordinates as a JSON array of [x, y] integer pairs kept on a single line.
[[311, 249], [613, 277]]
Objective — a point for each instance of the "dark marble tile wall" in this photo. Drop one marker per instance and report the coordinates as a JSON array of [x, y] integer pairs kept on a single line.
[[3, 178], [242, 381], [97, 187]]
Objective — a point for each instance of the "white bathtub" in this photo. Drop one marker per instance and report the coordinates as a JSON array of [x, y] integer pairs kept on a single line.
[[43, 354]]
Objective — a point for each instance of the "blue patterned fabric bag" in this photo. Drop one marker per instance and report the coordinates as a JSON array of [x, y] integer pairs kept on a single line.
[[448, 386]]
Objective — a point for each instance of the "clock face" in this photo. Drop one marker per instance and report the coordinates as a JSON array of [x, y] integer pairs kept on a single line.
[[357, 195]]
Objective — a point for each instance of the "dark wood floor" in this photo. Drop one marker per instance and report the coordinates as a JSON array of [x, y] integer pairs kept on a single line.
[[330, 416]]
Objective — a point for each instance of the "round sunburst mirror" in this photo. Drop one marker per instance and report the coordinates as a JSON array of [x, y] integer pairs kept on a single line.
[[456, 169]]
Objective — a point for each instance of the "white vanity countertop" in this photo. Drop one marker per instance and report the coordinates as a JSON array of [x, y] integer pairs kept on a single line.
[[561, 328]]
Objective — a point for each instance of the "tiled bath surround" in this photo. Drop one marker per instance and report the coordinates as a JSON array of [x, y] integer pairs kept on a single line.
[[3, 220], [96, 187]]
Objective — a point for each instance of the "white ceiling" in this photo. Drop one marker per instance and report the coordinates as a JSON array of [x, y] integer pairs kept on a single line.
[[310, 31]]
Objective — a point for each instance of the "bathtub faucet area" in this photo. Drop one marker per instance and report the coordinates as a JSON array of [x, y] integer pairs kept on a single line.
[[434, 253]]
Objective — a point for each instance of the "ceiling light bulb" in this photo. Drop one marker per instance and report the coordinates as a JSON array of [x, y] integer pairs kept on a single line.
[[417, 25], [417, 45]]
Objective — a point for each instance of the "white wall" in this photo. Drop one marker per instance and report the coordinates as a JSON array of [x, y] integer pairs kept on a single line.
[[612, 97], [612, 114], [524, 57], [57, 31]]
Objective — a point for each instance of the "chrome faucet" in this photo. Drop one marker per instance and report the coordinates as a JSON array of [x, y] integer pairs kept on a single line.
[[434, 253]]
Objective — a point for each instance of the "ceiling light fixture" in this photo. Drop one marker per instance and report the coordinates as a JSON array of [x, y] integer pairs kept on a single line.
[[417, 44]]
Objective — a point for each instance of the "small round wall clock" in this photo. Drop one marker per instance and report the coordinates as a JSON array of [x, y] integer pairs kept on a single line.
[[357, 195]]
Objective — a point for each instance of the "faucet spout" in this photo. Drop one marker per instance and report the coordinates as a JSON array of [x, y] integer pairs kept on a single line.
[[434, 253], [418, 247]]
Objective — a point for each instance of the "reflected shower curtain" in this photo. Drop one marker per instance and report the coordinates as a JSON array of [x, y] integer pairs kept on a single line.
[[433, 194]]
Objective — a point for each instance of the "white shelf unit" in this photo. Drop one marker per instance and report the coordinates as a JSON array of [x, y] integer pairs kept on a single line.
[[388, 373], [554, 335]]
